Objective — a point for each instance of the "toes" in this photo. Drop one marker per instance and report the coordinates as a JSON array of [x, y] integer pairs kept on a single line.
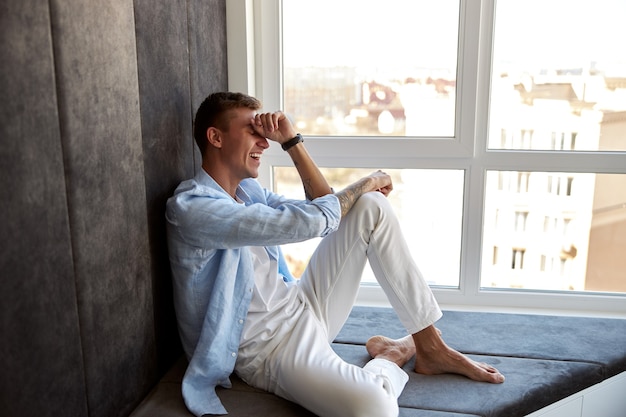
[[493, 375], [487, 367]]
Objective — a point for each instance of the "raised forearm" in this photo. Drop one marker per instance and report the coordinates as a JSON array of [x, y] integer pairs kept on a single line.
[[277, 127], [314, 183]]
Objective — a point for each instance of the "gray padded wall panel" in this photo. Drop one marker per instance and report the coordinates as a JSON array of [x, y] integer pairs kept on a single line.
[[168, 145], [95, 55], [208, 64], [98, 99], [40, 352], [207, 47]]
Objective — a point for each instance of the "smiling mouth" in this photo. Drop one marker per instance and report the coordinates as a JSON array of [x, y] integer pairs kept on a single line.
[[255, 155]]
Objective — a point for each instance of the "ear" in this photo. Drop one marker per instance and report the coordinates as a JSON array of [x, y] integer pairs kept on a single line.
[[214, 137]]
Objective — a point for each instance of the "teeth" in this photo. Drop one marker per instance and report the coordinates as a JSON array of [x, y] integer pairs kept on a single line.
[[255, 155]]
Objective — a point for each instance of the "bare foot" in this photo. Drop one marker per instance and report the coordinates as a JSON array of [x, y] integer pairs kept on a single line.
[[398, 351], [434, 357]]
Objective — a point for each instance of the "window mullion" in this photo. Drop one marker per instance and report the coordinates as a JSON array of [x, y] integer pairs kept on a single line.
[[268, 57], [478, 15], [241, 49]]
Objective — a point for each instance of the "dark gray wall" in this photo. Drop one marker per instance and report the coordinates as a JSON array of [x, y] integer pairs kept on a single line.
[[95, 130]]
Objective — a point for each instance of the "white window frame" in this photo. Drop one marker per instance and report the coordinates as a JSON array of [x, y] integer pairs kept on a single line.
[[254, 67]]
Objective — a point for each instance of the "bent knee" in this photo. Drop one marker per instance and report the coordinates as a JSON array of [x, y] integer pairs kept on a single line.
[[371, 210], [373, 205], [373, 197]]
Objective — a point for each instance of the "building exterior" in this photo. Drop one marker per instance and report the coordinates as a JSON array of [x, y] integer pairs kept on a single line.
[[553, 230]]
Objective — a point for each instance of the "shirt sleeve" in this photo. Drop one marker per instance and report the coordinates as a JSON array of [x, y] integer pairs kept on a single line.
[[215, 221]]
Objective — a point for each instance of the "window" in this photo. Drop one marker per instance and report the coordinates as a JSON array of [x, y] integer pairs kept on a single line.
[[525, 110], [433, 220], [522, 182], [520, 221], [556, 73], [390, 70], [518, 258], [568, 228]]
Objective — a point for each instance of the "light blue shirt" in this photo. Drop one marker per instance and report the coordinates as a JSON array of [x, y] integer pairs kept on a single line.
[[208, 236]]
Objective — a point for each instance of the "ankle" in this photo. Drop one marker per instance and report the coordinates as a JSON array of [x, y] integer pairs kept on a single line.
[[429, 343]]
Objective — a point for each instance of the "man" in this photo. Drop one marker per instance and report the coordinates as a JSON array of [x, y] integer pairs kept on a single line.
[[237, 306]]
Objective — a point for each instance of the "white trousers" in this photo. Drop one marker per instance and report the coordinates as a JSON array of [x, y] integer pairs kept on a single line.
[[303, 367]]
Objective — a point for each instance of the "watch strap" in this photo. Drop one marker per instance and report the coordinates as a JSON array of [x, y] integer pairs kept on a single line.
[[292, 142]]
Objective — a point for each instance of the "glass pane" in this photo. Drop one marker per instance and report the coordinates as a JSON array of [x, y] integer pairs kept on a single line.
[[559, 75], [555, 231], [431, 220], [371, 68]]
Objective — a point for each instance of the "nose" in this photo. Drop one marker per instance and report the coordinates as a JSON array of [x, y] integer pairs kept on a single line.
[[263, 142]]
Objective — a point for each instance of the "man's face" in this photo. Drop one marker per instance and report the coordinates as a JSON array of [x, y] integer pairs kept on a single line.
[[242, 146]]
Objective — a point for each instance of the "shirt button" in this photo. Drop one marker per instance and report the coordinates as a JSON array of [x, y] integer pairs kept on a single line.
[[240, 321], [233, 354]]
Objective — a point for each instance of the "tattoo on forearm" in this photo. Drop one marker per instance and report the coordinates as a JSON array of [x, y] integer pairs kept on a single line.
[[308, 189], [306, 182], [349, 195]]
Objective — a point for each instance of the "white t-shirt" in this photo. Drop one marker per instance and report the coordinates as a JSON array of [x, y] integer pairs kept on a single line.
[[274, 307]]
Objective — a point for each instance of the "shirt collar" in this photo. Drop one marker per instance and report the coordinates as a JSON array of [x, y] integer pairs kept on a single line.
[[205, 180]]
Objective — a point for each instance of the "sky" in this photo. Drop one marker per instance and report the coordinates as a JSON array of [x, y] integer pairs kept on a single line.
[[562, 32], [424, 33], [348, 32]]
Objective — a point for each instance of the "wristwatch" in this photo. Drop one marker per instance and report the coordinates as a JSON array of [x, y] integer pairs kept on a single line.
[[292, 142]]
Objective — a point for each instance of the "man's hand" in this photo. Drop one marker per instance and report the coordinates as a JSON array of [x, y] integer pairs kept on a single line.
[[376, 181], [382, 183], [278, 128], [274, 126]]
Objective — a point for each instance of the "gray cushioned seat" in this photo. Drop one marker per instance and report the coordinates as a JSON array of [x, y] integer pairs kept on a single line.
[[544, 359]]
